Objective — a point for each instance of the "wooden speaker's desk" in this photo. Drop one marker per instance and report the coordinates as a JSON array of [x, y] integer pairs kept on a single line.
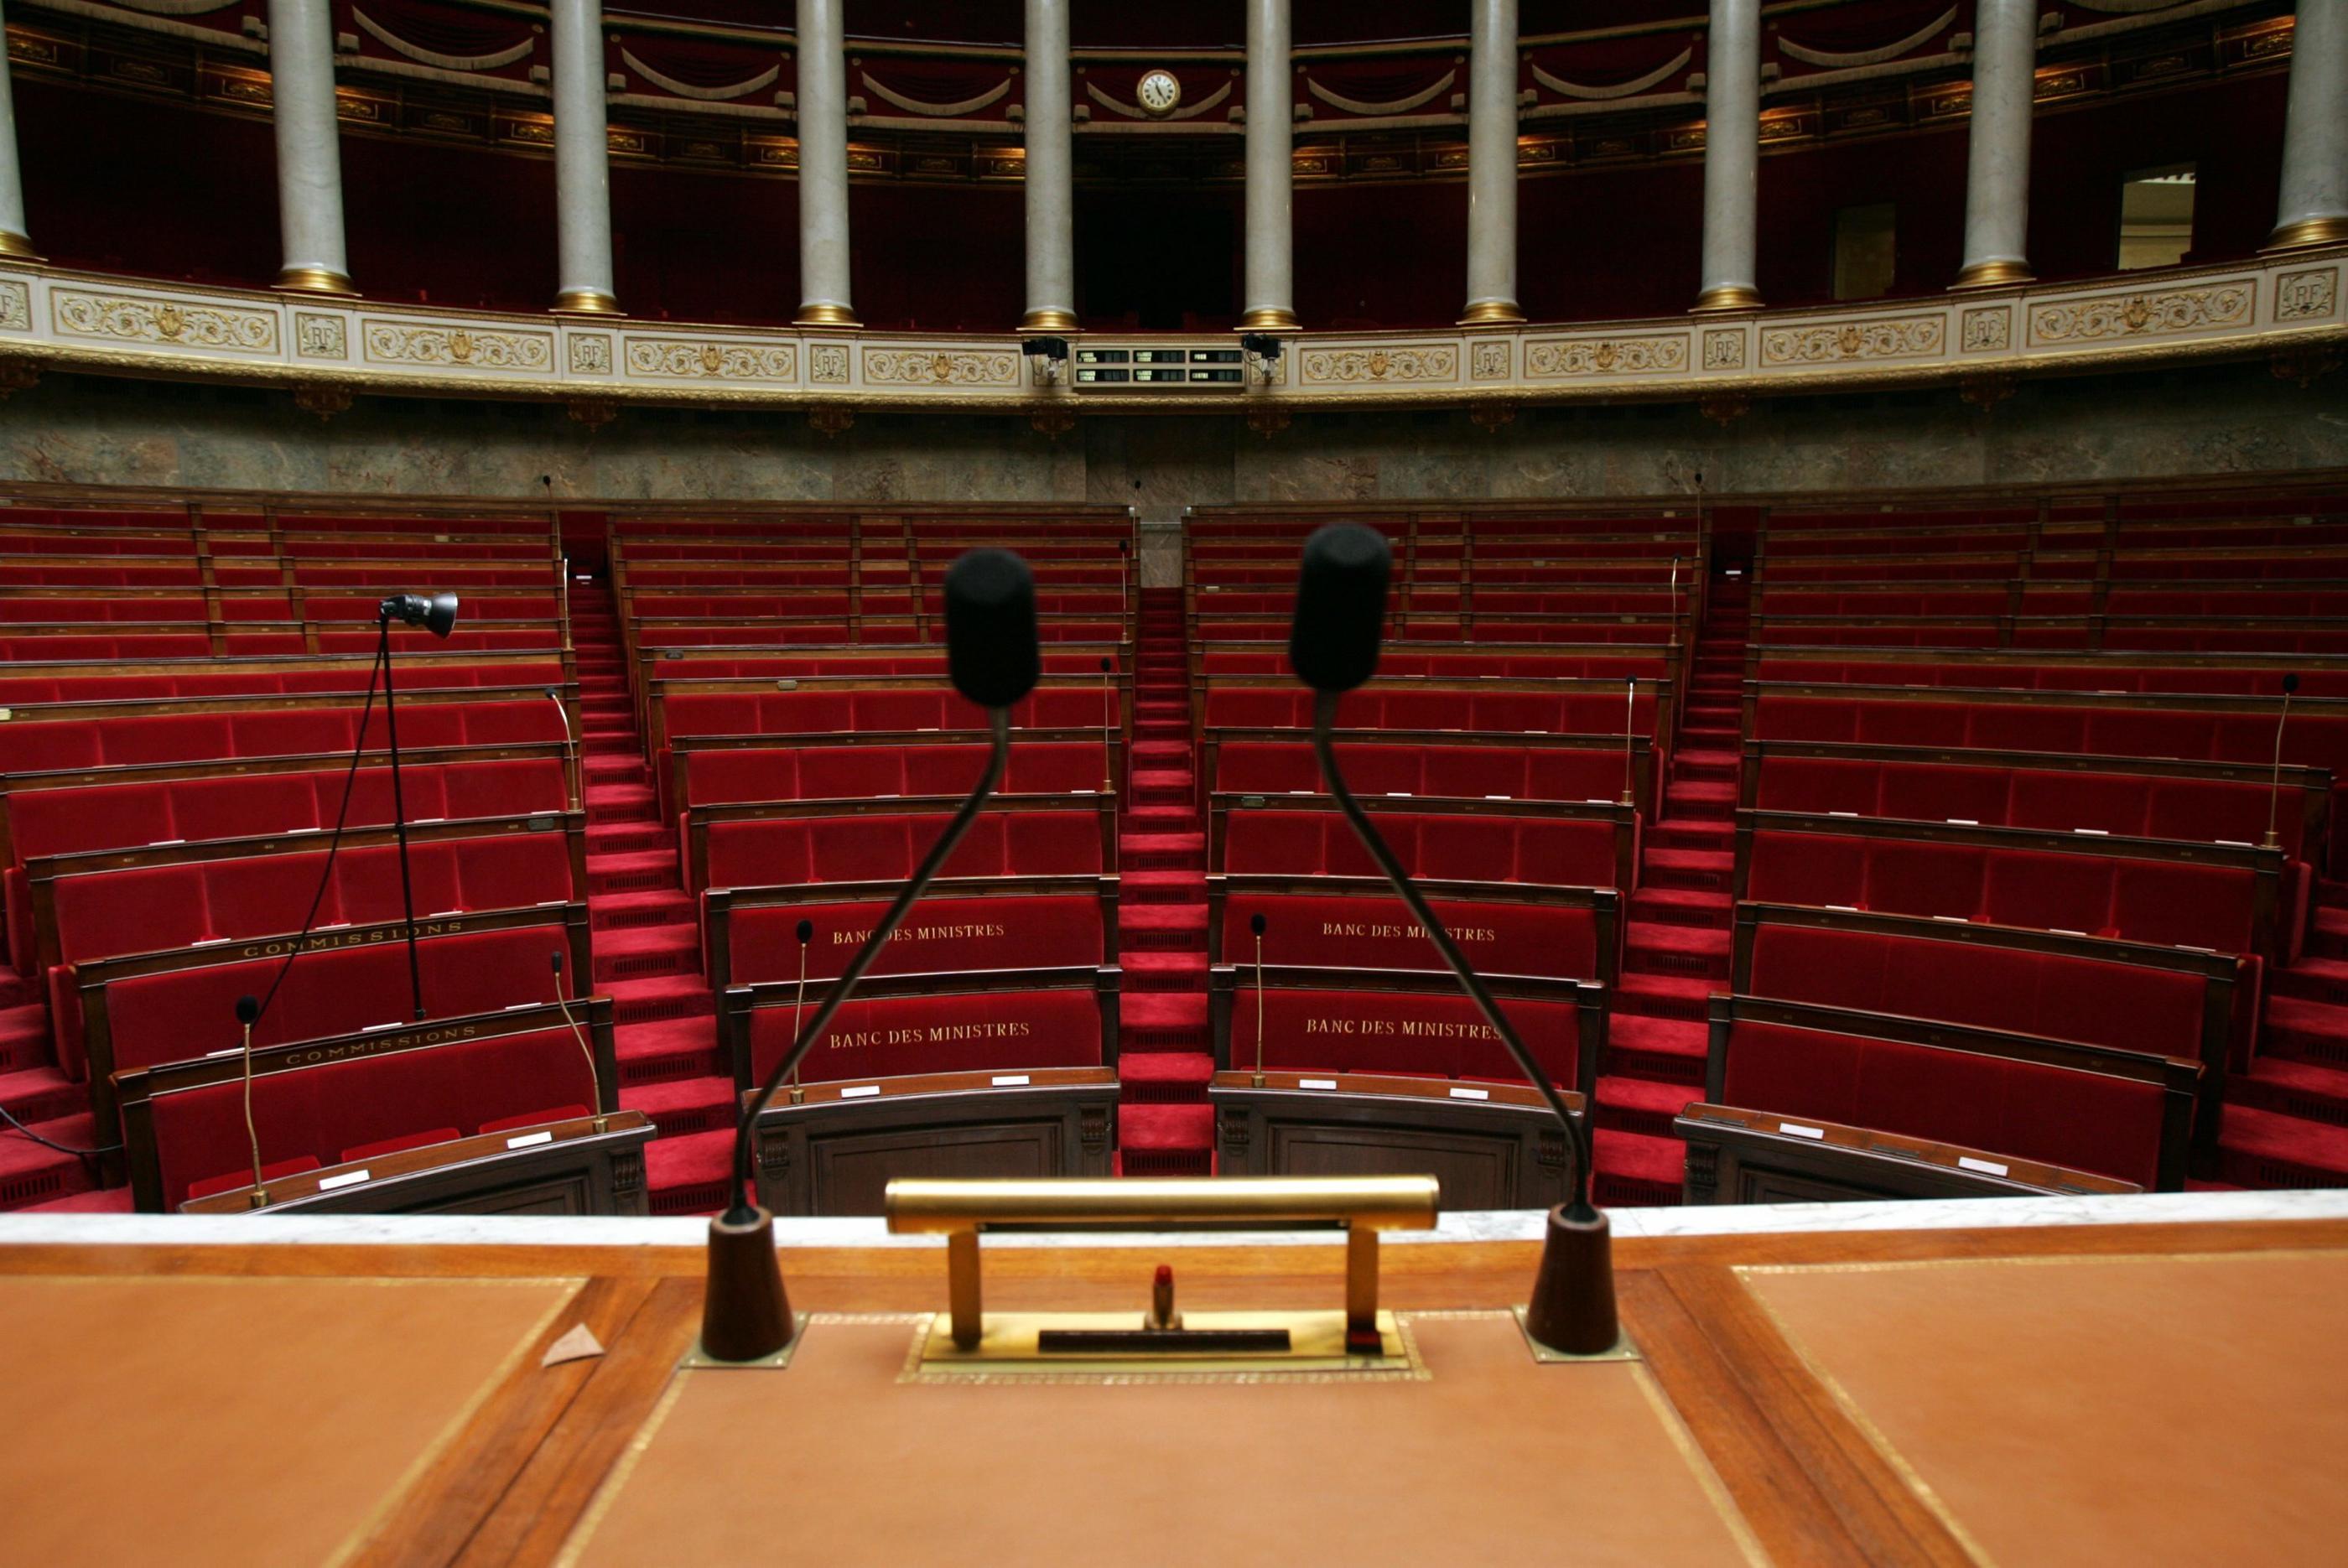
[[2130, 1380]]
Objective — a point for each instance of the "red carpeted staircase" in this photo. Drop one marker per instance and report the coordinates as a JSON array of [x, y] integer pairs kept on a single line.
[[1165, 1127], [1676, 938], [55, 1107], [647, 944], [2287, 1118]]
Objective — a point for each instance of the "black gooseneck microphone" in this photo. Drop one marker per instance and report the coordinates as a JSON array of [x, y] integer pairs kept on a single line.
[[248, 1013], [594, 1077], [2275, 776], [994, 660], [1255, 929], [1340, 593], [798, 1000]]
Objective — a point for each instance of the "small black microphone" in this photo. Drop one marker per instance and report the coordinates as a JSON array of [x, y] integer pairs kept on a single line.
[[992, 659], [1255, 924], [555, 958], [991, 648], [1333, 645], [2275, 776], [248, 1010], [1341, 606]]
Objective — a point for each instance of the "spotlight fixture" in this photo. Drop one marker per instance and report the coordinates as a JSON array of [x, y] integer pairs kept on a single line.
[[436, 614], [1263, 350], [1052, 351]]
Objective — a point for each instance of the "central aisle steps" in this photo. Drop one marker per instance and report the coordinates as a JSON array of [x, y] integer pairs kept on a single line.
[[647, 945], [1164, 1126], [1676, 945]]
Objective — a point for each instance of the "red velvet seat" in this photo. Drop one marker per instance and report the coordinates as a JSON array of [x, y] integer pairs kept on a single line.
[[890, 1037], [306, 1119], [2088, 1120], [945, 934]]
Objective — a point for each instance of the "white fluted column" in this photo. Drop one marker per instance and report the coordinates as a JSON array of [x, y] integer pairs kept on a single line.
[[309, 148], [2313, 206], [583, 161], [823, 166], [1732, 155], [1050, 183], [1997, 164], [1491, 164], [14, 238], [1271, 292]]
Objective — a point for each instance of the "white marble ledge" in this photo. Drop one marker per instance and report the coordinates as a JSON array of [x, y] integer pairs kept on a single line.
[[1495, 1225]]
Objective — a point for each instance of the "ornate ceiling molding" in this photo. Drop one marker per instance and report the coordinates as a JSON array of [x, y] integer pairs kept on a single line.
[[1838, 61], [1632, 88], [391, 40], [2284, 306], [765, 78], [1393, 105], [1135, 111], [889, 95]]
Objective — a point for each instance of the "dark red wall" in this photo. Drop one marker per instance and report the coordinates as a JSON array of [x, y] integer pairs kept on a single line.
[[132, 185], [449, 224], [118, 183], [1381, 255]]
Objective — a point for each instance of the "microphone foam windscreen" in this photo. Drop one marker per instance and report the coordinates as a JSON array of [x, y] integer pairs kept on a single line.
[[248, 1009], [1341, 607], [991, 650], [1255, 923], [2290, 683], [806, 931]]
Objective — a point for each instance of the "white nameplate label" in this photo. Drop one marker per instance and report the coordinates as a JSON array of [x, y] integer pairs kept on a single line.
[[1798, 1130], [529, 1140], [1010, 1081], [347, 1178], [1316, 1083], [1986, 1167], [1458, 1093], [861, 1091]]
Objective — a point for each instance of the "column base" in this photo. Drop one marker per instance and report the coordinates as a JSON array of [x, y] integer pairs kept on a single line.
[[2307, 232], [1728, 297], [1270, 318], [1049, 320], [17, 248], [823, 313], [316, 280], [586, 301], [1492, 313], [1991, 275]]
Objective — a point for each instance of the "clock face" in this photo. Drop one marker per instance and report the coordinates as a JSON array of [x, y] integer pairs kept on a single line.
[[1160, 92]]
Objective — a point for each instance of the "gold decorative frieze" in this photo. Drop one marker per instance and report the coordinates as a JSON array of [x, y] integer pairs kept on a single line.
[[1988, 330], [1897, 338], [1724, 348], [461, 348], [1343, 366], [694, 359], [590, 353], [320, 337], [940, 367], [1489, 361], [828, 363], [2307, 296], [16, 305], [1552, 358], [2146, 314], [132, 318]]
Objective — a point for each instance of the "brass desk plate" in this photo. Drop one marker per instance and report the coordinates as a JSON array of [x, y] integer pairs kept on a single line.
[[1007, 1347], [699, 1360], [1624, 1349]]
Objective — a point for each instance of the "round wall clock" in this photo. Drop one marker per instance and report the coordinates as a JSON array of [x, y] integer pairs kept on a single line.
[[1160, 92]]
